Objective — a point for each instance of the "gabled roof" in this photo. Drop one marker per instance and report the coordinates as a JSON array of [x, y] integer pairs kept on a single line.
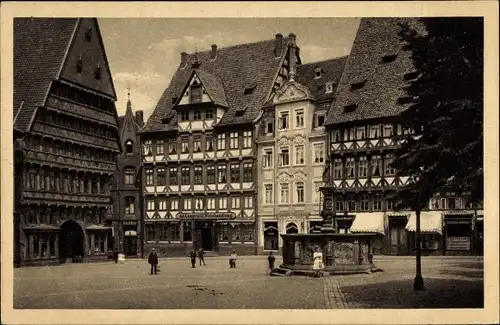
[[377, 75], [125, 120], [331, 72], [40, 46], [213, 87], [235, 68]]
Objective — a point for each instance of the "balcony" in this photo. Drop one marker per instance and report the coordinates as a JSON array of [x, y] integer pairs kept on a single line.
[[85, 165]]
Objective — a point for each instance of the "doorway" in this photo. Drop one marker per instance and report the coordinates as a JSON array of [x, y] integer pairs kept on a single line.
[[71, 241], [206, 239], [398, 236]]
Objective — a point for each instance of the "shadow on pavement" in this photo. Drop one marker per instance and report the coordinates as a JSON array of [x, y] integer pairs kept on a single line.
[[476, 274], [439, 293]]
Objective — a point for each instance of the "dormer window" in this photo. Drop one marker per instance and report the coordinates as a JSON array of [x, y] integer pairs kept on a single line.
[[79, 65], [184, 116], [97, 73], [129, 147], [350, 108], [389, 57], [269, 127], [318, 72], [241, 110], [319, 119], [195, 93], [358, 85], [329, 87], [88, 34], [209, 113], [249, 89]]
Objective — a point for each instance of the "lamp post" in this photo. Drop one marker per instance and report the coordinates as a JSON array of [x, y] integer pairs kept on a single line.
[[418, 283]]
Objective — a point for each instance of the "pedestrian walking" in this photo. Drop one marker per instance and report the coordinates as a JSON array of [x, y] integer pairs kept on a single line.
[[271, 260], [318, 261], [153, 260], [115, 255], [201, 256], [232, 260], [193, 258]]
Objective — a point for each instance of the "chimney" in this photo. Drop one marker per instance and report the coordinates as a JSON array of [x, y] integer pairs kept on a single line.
[[278, 48], [139, 118], [293, 63], [184, 57], [213, 55]]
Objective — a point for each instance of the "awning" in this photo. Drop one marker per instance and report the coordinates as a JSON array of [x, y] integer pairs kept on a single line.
[[368, 222], [430, 222], [458, 212], [98, 227], [130, 233]]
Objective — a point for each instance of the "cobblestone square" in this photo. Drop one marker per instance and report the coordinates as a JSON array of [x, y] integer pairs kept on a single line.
[[450, 283]]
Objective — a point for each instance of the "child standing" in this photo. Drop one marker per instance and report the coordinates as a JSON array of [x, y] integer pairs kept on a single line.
[[232, 260], [271, 260], [192, 255]]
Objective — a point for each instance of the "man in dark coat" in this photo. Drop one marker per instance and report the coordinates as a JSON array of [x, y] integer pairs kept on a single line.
[[192, 255], [201, 256], [271, 260], [153, 260], [115, 255]]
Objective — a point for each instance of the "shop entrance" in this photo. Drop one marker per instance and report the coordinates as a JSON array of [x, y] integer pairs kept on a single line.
[[130, 243], [206, 239], [398, 236], [71, 241], [205, 235]]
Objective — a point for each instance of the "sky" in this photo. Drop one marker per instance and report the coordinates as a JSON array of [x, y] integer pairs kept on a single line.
[[143, 54]]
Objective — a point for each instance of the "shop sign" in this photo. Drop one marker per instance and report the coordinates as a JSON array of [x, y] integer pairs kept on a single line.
[[130, 223], [458, 243], [214, 215]]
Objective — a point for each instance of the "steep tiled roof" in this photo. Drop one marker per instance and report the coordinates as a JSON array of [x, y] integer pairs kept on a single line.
[[376, 66], [213, 86], [236, 68], [331, 72], [39, 48]]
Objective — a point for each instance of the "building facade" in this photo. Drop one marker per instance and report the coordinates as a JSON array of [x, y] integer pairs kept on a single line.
[[292, 151], [67, 140], [364, 130], [199, 149], [127, 198]]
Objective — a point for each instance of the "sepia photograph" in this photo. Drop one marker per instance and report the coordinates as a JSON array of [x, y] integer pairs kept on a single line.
[[315, 163]]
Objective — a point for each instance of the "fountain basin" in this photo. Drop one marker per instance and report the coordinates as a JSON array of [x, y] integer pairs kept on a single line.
[[342, 253]]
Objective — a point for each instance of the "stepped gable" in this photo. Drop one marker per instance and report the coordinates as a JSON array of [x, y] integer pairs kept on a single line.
[[233, 70], [374, 76], [331, 71], [40, 46]]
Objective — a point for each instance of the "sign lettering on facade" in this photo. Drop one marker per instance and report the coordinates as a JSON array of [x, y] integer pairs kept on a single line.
[[201, 215], [458, 243]]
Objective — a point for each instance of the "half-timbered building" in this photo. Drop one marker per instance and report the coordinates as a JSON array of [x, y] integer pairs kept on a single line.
[[291, 150], [199, 149], [65, 116], [126, 192], [364, 130]]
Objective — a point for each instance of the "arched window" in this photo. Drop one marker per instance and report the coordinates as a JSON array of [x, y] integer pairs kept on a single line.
[[129, 147], [292, 228]]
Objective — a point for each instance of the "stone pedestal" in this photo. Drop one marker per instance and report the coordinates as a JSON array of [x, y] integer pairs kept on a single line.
[[342, 253]]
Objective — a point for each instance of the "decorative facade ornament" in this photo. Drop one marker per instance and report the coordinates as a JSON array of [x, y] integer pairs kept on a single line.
[[292, 91], [283, 141], [284, 178], [299, 177], [299, 140]]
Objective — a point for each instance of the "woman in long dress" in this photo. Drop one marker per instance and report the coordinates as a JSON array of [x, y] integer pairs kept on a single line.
[[318, 261]]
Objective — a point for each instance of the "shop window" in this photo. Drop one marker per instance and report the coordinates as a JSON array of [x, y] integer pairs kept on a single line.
[[343, 225], [429, 241], [224, 232], [174, 233], [188, 236], [150, 232], [235, 233], [248, 233]]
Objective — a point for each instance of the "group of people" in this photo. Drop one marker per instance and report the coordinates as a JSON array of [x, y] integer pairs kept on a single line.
[[153, 259]]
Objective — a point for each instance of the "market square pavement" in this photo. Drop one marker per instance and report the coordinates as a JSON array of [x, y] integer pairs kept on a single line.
[[451, 282]]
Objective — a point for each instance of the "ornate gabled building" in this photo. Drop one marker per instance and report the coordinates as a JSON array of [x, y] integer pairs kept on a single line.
[[364, 130], [199, 148], [127, 198], [291, 151], [65, 123]]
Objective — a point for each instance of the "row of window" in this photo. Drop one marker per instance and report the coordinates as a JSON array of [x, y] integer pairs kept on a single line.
[[59, 181], [363, 203], [76, 124], [284, 120], [374, 166], [172, 232], [197, 114], [202, 174], [318, 155], [298, 193], [199, 143], [367, 132], [196, 203], [67, 149], [82, 97]]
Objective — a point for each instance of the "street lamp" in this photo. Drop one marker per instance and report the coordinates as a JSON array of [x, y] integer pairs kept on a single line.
[[418, 283]]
